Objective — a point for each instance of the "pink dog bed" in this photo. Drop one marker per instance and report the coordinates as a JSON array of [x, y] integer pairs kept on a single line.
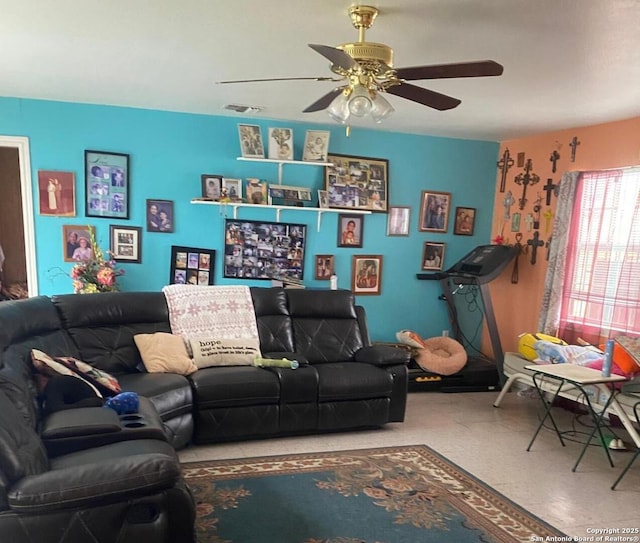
[[441, 355]]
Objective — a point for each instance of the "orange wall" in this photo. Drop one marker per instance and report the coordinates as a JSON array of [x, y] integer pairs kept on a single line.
[[602, 146]]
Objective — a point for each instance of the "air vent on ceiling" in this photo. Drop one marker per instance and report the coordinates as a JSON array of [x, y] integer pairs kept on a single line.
[[243, 109]]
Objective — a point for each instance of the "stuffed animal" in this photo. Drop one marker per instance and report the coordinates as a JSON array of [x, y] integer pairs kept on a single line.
[[411, 338], [275, 363], [526, 343], [124, 403], [552, 353]]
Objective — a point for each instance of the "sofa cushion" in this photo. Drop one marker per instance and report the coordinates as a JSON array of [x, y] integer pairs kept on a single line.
[[274, 322], [352, 381], [170, 393], [234, 386], [164, 353]]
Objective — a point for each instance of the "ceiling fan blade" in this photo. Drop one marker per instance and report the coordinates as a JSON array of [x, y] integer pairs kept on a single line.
[[278, 79], [425, 97], [337, 56], [323, 102], [481, 68]]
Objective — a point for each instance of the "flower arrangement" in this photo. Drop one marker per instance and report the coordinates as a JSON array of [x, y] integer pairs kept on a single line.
[[95, 274]]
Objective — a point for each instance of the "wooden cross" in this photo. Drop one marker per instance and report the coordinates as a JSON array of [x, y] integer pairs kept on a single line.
[[526, 179], [534, 243], [554, 158], [503, 165], [548, 246], [550, 188], [574, 145]]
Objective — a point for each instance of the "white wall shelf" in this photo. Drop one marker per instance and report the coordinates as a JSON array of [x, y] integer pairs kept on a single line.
[[319, 210], [281, 163]]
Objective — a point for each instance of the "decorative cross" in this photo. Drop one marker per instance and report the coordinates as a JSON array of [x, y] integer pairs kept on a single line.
[[525, 179], [537, 207], [548, 215], [529, 221], [508, 201], [534, 243], [574, 145], [503, 165], [549, 188], [519, 250], [548, 246], [554, 158]]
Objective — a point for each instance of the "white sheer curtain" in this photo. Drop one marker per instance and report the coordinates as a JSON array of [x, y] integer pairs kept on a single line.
[[551, 300]]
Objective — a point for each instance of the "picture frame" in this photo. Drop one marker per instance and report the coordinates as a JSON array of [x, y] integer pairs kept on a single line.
[[350, 230], [125, 243], [106, 184], [192, 266], [251, 145], [256, 191], [211, 186], [72, 249], [323, 199], [57, 193], [160, 216], [264, 250], [357, 183], [433, 256], [316, 146], [233, 188], [465, 221], [398, 221], [366, 275], [288, 195], [324, 267], [280, 143], [515, 222], [434, 211]]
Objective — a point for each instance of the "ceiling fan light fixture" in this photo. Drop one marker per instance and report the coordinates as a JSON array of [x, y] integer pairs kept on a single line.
[[338, 109], [360, 103], [381, 109]]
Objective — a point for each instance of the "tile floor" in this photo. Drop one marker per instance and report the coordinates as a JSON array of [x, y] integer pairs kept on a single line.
[[491, 444]]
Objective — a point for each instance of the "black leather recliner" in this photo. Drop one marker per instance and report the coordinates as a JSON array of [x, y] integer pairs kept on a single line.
[[130, 491]]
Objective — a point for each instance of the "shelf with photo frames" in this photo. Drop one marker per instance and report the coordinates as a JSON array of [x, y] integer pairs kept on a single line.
[[281, 163], [278, 208]]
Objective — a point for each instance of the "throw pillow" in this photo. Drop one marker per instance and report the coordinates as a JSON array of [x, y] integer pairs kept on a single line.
[[224, 352], [103, 381], [164, 353], [49, 367]]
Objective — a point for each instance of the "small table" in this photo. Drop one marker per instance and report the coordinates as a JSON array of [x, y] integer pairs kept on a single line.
[[576, 377]]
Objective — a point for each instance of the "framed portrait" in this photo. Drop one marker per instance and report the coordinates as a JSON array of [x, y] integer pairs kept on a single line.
[[366, 274], [398, 221], [125, 243], [281, 143], [325, 267], [192, 266], [106, 184], [350, 230], [433, 256], [316, 146], [357, 183], [76, 242], [233, 188], [57, 193], [160, 216], [288, 195], [211, 186], [434, 211], [323, 199], [465, 221], [256, 191], [264, 250], [251, 141]]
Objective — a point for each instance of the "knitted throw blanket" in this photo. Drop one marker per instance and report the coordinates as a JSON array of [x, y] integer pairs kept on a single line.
[[212, 311]]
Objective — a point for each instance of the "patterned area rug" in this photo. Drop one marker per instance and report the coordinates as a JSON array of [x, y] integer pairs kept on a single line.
[[390, 495]]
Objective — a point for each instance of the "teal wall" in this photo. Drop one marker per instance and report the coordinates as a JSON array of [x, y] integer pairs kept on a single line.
[[169, 152]]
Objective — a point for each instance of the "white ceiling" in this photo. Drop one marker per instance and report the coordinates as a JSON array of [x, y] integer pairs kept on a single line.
[[567, 63]]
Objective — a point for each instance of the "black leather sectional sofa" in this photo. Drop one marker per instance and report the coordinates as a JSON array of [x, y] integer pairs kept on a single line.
[[58, 471]]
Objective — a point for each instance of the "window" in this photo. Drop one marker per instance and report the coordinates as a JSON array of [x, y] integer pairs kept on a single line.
[[601, 289]]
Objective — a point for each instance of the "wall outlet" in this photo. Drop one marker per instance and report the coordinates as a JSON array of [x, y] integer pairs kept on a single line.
[[445, 333]]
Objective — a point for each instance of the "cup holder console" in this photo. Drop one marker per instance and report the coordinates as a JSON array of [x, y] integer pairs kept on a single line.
[[133, 421]]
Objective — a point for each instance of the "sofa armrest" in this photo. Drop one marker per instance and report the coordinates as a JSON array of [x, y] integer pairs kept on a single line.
[[93, 484], [382, 355], [81, 421]]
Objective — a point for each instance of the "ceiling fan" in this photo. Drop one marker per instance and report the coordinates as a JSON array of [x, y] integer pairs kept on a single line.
[[367, 70]]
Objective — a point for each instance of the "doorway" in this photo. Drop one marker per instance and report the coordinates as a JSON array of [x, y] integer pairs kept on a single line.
[[17, 233]]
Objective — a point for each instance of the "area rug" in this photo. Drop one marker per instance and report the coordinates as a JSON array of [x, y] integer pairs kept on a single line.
[[389, 495]]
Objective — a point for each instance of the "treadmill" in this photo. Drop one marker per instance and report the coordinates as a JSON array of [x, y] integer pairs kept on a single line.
[[478, 268]]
